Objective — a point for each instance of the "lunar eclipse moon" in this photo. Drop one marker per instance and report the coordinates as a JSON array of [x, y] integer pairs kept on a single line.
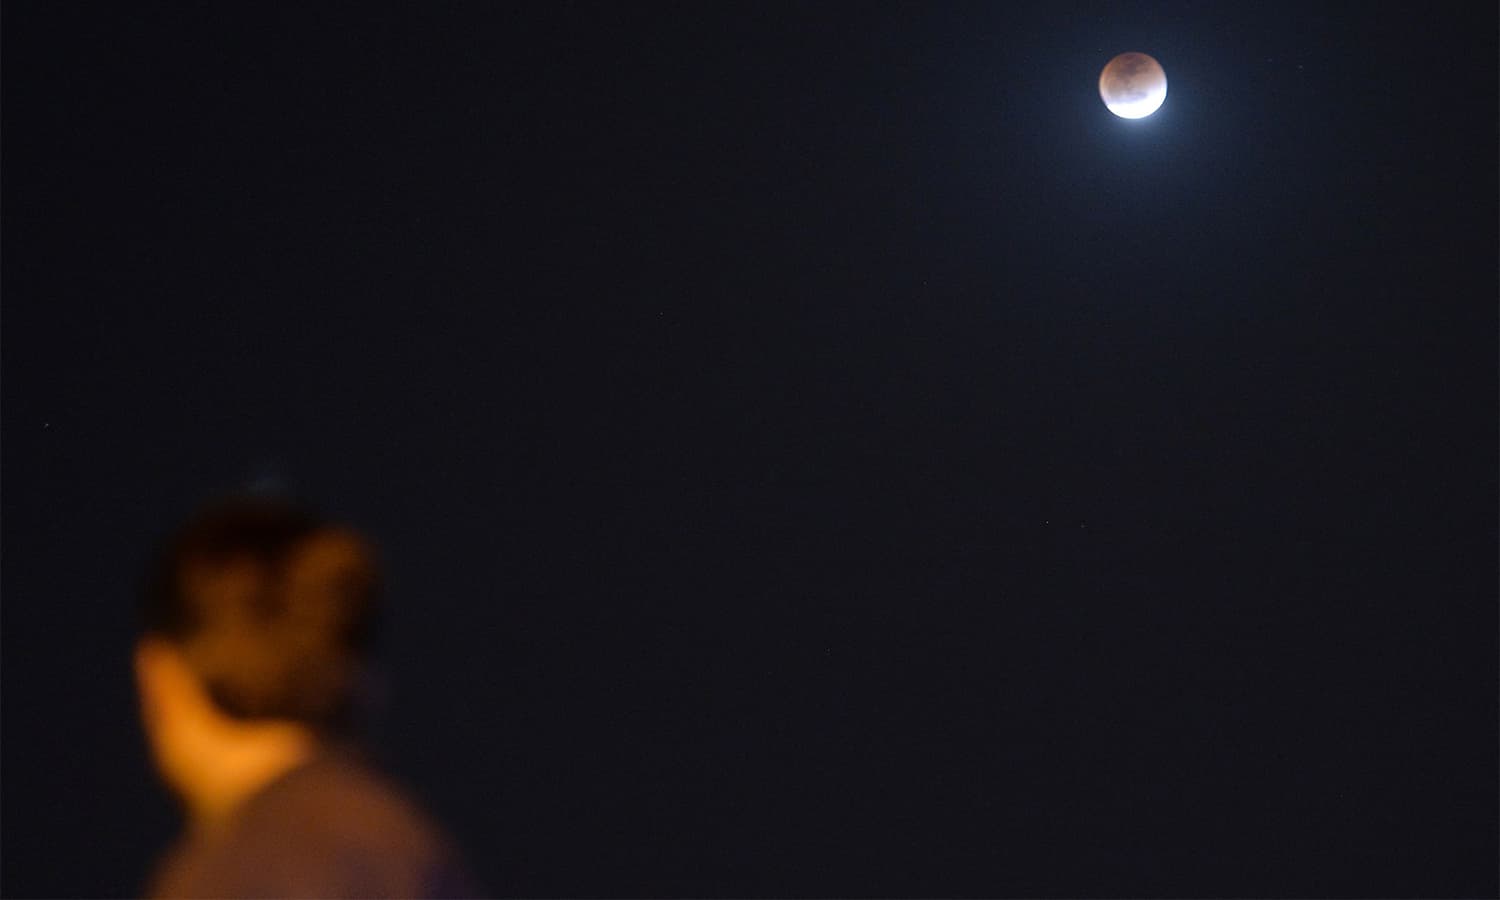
[[1133, 85]]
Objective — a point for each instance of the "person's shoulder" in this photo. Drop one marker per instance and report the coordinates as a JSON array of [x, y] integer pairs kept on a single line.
[[345, 789], [343, 827]]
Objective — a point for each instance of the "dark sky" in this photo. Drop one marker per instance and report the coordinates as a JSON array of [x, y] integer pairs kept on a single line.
[[817, 452]]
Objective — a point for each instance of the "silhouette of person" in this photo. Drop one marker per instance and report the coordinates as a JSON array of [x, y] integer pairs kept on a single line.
[[257, 619]]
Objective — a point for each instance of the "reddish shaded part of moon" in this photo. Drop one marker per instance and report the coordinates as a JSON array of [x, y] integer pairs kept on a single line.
[[1133, 85]]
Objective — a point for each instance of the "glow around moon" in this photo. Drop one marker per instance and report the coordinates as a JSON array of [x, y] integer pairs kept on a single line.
[[1133, 85]]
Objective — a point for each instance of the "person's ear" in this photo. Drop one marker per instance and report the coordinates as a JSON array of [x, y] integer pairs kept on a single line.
[[162, 678], [148, 679]]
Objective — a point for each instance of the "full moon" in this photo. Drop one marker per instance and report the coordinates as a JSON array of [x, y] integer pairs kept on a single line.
[[1133, 85]]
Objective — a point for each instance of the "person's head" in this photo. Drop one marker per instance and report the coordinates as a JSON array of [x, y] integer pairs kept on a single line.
[[256, 621]]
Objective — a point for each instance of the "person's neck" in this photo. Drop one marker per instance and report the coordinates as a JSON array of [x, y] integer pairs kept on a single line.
[[237, 761]]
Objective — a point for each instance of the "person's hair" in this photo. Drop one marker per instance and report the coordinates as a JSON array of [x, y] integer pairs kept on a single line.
[[272, 630]]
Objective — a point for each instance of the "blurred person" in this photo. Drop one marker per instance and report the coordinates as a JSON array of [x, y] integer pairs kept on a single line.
[[257, 621]]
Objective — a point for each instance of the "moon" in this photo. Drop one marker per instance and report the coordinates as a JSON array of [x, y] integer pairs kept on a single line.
[[1133, 85]]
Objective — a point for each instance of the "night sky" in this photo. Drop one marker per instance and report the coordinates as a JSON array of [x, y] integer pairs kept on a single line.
[[815, 451]]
